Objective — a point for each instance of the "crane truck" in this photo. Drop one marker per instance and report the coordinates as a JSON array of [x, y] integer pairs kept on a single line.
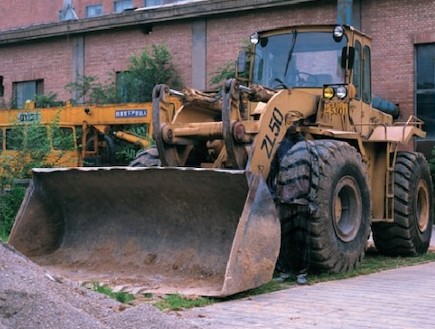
[[90, 131]]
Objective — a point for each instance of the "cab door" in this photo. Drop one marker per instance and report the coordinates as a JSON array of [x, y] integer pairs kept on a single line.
[[361, 79]]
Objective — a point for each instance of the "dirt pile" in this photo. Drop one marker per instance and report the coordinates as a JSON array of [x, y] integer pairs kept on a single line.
[[32, 298]]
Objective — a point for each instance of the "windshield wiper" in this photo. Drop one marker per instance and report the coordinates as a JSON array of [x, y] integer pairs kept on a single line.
[[290, 53]]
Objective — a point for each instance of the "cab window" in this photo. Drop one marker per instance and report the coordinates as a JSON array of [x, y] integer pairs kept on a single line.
[[13, 139], [63, 138], [367, 85], [356, 80]]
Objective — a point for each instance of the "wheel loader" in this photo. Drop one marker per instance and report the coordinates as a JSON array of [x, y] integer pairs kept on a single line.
[[199, 213]]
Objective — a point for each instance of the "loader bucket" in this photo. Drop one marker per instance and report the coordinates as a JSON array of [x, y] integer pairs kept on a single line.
[[162, 230]]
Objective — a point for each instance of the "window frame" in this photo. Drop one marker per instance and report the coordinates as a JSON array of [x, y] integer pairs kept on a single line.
[[94, 7], [145, 3], [125, 5], [424, 95], [20, 96], [67, 137]]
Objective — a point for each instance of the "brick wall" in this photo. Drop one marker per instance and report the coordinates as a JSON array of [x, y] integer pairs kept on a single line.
[[226, 36], [108, 52], [50, 61], [393, 24], [24, 14], [47, 11]]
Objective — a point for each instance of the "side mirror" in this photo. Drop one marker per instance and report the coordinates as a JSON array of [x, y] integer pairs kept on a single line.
[[241, 62]]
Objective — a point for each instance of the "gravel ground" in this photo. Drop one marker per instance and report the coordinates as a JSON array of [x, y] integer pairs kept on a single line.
[[31, 298]]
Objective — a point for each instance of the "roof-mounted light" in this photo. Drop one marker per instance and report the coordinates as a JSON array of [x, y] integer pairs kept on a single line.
[[255, 38], [338, 33]]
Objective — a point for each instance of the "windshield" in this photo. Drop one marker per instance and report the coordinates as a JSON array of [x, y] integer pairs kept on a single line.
[[303, 59]]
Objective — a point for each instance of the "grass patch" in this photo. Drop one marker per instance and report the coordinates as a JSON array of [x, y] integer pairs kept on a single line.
[[177, 302], [372, 263], [122, 297]]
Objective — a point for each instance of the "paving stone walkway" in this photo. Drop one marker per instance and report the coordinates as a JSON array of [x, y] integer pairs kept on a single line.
[[402, 298]]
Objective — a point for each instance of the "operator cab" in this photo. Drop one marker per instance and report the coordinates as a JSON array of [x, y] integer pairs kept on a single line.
[[298, 57]]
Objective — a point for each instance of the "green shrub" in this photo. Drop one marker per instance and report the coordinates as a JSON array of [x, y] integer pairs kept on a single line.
[[146, 71], [88, 89], [10, 201], [136, 84], [126, 151], [47, 100], [31, 143]]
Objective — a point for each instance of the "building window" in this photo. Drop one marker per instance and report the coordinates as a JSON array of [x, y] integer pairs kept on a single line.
[[121, 5], [425, 87], [26, 90], [94, 11], [151, 3], [425, 95], [67, 13]]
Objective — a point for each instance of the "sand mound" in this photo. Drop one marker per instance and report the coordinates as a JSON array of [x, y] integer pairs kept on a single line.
[[32, 298]]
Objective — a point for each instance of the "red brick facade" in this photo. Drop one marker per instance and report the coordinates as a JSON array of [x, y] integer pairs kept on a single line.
[[393, 24], [18, 13]]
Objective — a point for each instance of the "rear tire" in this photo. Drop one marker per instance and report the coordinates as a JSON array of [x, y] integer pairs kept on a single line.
[[411, 231], [146, 158], [339, 224]]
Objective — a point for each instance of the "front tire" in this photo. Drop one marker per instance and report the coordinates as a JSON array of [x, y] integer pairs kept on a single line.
[[411, 231], [339, 224]]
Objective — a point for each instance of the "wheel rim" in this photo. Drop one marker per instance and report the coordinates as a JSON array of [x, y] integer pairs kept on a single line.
[[347, 209], [422, 206]]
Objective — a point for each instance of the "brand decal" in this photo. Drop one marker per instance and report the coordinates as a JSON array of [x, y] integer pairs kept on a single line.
[[29, 116], [275, 123], [130, 113]]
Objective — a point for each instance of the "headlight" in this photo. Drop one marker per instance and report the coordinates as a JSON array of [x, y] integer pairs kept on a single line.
[[341, 92], [328, 92], [338, 33], [255, 38]]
